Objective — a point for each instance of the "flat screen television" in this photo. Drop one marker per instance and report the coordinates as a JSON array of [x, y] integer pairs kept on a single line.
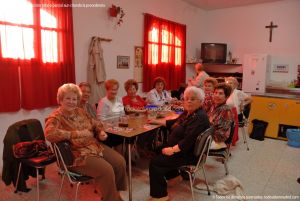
[[213, 52]]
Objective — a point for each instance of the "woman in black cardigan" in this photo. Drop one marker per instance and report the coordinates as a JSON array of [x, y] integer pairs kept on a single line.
[[181, 141]]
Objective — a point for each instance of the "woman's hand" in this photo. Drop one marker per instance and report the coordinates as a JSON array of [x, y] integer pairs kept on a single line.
[[82, 134], [102, 136], [167, 151]]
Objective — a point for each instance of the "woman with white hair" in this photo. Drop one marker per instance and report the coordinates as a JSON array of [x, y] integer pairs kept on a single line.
[[237, 97], [181, 141]]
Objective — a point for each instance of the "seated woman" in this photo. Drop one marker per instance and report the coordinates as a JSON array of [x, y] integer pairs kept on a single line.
[[180, 145], [133, 103], [209, 86], [158, 95], [85, 89], [92, 158], [111, 106], [237, 98], [201, 75], [220, 116]]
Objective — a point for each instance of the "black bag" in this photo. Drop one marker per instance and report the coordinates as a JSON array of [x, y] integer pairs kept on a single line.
[[30, 149], [259, 129]]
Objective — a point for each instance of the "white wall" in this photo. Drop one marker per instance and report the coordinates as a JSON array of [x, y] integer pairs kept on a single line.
[[243, 29], [90, 22]]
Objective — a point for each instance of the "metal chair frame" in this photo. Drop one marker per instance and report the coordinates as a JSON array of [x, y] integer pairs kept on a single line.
[[224, 153], [201, 150], [243, 124], [74, 177], [30, 161]]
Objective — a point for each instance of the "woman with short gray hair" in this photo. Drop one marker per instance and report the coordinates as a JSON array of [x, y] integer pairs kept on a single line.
[[181, 141]]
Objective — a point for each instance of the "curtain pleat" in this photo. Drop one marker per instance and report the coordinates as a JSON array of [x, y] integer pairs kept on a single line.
[[164, 52], [40, 78]]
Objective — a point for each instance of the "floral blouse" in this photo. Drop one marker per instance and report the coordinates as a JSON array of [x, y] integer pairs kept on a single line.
[[208, 101], [63, 125], [221, 118]]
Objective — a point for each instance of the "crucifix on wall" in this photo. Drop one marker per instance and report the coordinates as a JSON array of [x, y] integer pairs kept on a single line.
[[271, 27]]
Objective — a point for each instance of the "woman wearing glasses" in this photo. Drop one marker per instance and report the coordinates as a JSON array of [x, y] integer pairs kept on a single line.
[[180, 145], [158, 95]]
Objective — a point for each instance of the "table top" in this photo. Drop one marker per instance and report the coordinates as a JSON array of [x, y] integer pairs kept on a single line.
[[136, 125]]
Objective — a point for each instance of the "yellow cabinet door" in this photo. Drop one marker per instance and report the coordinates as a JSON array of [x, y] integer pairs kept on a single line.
[[266, 109], [290, 112]]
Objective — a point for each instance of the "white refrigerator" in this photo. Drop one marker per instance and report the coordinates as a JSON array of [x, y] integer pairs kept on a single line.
[[256, 71]]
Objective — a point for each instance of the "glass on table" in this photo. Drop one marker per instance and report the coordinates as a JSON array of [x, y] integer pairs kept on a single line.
[[123, 121]]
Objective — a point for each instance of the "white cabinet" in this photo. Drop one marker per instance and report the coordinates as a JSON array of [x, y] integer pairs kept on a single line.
[[256, 72]]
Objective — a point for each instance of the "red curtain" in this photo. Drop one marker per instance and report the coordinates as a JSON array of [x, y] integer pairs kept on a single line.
[[53, 61], [9, 86], [39, 79], [164, 52]]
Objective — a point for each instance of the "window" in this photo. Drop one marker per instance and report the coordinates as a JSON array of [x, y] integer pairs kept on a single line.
[[164, 52], [36, 50], [17, 31]]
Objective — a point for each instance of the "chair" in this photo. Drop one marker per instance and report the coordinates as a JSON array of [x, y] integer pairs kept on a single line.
[[65, 159], [201, 151], [25, 130], [224, 153], [243, 124]]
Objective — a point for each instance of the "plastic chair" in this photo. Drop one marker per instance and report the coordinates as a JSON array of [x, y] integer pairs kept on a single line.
[[201, 151], [65, 159], [39, 162], [224, 153]]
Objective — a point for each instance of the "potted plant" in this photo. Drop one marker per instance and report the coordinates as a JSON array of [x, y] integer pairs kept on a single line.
[[117, 11]]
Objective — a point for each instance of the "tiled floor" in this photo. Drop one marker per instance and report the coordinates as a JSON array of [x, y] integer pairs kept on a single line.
[[269, 169]]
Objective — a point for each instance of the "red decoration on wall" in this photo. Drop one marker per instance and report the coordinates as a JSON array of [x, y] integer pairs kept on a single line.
[[118, 12]]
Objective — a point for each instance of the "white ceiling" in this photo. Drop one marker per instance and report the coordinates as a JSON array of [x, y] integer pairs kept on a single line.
[[219, 4]]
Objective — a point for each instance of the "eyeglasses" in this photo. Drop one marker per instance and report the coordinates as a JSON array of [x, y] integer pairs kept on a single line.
[[190, 99]]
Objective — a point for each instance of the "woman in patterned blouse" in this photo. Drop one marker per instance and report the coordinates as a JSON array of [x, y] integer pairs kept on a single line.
[[91, 157], [220, 116]]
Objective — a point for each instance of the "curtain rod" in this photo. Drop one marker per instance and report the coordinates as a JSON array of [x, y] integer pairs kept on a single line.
[[101, 39]]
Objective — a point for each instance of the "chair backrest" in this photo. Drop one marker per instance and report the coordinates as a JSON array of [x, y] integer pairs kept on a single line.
[[202, 145], [63, 154]]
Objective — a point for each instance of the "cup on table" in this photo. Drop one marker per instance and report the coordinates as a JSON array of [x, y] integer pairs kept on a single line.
[[123, 121]]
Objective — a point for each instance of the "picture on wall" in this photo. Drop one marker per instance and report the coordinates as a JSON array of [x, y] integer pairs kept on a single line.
[[138, 64], [123, 62]]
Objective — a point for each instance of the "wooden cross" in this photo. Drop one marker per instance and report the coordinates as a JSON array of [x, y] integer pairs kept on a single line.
[[271, 26]]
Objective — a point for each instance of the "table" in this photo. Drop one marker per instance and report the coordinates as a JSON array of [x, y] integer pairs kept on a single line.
[[136, 125]]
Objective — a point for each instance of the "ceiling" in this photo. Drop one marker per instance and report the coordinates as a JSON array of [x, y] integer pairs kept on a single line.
[[219, 4]]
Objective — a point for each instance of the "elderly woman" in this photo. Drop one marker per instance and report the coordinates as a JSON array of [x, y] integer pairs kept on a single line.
[[92, 158], [85, 89], [158, 95], [237, 97], [199, 79], [111, 106], [237, 100], [181, 142], [133, 103], [209, 86], [220, 116]]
